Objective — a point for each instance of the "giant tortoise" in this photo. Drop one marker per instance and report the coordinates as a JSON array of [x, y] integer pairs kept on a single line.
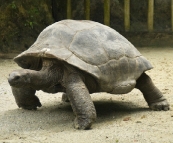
[[79, 58]]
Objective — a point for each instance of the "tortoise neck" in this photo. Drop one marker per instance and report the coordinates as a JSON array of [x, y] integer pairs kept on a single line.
[[49, 78]]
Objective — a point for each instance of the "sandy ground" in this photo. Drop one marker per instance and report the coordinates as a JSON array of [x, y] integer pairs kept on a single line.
[[121, 119]]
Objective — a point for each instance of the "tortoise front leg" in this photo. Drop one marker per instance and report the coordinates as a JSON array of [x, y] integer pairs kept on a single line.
[[26, 98], [152, 94], [81, 102]]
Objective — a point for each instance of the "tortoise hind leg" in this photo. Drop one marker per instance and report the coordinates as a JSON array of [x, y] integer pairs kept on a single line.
[[26, 98], [152, 94]]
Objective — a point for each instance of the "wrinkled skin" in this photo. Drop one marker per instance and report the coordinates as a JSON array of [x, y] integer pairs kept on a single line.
[[56, 77]]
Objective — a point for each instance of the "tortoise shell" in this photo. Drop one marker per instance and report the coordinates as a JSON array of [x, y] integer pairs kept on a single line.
[[93, 48]]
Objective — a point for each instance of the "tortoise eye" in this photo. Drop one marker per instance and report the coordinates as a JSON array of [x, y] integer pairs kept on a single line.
[[16, 77], [23, 61]]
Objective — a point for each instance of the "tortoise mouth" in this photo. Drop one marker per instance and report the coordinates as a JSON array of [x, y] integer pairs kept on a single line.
[[15, 84]]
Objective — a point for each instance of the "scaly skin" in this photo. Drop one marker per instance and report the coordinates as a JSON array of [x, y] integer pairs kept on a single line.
[[25, 82], [80, 100], [151, 93], [25, 98]]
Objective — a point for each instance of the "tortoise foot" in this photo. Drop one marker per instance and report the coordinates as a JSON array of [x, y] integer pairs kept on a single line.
[[31, 104], [160, 104], [82, 123]]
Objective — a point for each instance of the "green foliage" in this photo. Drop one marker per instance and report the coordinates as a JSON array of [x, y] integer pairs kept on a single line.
[[13, 5], [30, 24], [32, 13], [21, 21]]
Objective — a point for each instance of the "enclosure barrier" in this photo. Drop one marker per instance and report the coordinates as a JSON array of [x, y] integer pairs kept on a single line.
[[87, 9], [126, 13], [107, 12], [172, 14], [150, 14], [69, 16]]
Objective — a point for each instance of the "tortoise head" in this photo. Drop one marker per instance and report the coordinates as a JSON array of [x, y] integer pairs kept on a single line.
[[48, 79], [19, 78]]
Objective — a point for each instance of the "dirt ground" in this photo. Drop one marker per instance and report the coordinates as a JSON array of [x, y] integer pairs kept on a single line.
[[120, 118]]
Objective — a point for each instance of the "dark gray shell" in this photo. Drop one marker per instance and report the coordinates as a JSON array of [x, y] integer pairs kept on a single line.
[[94, 48]]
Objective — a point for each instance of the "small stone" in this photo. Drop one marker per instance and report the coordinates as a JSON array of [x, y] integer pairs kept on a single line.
[[138, 122], [127, 119], [143, 117]]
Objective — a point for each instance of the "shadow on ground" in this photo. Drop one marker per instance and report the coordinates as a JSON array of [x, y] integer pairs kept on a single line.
[[55, 116]]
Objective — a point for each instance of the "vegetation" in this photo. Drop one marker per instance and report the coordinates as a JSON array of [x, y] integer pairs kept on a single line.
[[22, 21]]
